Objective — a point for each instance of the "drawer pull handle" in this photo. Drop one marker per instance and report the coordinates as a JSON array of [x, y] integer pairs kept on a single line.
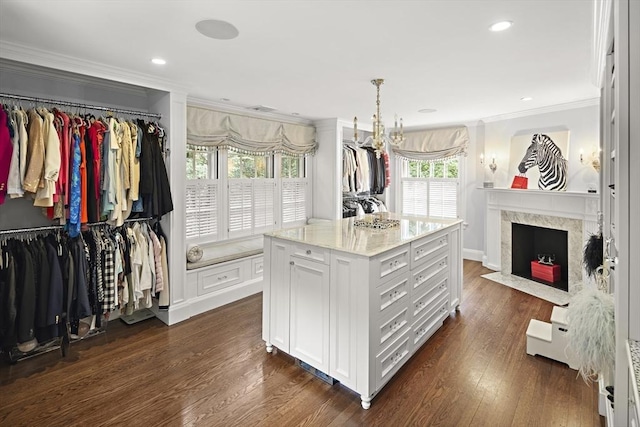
[[308, 251], [222, 278], [291, 263]]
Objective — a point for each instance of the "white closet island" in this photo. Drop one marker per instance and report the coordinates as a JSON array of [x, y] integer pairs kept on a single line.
[[355, 302]]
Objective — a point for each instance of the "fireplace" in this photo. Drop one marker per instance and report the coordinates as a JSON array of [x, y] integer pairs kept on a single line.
[[572, 212], [530, 243]]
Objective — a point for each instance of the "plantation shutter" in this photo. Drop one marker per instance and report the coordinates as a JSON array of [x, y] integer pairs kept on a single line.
[[293, 200], [240, 206], [201, 209], [250, 206], [414, 197], [443, 201], [263, 195]]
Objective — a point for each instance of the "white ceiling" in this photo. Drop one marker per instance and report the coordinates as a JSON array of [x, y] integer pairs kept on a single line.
[[316, 58]]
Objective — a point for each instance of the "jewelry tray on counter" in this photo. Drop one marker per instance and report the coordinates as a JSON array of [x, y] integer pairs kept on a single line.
[[377, 223]]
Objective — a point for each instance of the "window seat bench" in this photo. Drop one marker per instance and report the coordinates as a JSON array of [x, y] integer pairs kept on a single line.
[[227, 272], [217, 253]]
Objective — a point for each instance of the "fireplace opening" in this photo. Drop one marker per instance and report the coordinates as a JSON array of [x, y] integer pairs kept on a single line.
[[529, 243]]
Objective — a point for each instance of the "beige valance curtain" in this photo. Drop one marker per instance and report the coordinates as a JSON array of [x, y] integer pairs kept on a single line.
[[434, 144], [215, 129]]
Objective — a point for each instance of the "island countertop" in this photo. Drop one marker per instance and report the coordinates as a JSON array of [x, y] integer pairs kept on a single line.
[[343, 235]]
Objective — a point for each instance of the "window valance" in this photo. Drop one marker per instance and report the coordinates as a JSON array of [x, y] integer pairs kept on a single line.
[[216, 129], [434, 144]]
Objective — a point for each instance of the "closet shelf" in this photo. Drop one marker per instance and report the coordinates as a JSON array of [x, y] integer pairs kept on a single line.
[[78, 105]]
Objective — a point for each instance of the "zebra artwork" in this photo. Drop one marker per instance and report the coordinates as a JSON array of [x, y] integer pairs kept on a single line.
[[545, 154]]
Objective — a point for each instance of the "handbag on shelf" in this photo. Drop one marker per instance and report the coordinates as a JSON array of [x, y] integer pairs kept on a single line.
[[520, 181]]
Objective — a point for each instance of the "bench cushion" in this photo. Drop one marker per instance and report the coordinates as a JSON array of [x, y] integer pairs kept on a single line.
[[216, 253]]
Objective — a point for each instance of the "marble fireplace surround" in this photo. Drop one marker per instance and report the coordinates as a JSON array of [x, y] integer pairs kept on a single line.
[[573, 212]]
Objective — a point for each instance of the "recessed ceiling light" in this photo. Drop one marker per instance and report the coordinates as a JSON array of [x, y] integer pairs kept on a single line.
[[526, 98], [215, 29], [427, 110], [158, 61], [501, 26]]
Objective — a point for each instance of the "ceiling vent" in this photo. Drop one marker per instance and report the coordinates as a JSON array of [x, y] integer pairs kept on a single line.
[[261, 108]]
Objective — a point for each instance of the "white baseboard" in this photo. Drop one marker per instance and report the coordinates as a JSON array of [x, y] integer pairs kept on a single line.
[[472, 254], [176, 313], [192, 307]]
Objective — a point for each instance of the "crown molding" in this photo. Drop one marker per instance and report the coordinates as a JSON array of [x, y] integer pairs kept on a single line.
[[43, 58], [543, 110], [193, 101]]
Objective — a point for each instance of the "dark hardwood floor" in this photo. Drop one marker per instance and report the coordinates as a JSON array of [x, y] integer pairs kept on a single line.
[[213, 370]]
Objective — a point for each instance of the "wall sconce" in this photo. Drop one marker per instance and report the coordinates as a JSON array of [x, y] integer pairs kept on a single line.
[[594, 160], [493, 166]]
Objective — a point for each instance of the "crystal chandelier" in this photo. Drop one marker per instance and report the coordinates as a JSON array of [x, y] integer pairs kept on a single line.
[[379, 139]]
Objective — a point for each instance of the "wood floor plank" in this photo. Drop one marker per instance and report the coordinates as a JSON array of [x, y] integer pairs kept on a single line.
[[213, 370]]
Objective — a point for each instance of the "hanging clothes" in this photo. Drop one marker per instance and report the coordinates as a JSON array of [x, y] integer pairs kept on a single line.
[[6, 153], [47, 187]]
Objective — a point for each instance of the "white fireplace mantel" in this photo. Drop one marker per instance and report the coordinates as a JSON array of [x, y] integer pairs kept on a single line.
[[562, 204]]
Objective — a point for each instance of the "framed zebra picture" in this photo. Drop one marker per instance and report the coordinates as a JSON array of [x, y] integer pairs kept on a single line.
[[542, 157]]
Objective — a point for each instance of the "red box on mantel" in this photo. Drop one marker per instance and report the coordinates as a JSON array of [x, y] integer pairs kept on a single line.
[[548, 273]]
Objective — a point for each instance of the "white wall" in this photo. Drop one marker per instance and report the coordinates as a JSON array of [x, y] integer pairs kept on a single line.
[[494, 136], [583, 124]]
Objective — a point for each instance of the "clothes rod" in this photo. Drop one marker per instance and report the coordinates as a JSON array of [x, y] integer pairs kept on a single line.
[[75, 104], [60, 227]]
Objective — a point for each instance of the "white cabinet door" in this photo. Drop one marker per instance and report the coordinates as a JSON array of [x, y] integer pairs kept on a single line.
[[279, 295], [309, 311]]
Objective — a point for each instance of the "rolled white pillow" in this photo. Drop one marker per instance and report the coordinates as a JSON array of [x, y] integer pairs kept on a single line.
[[194, 253]]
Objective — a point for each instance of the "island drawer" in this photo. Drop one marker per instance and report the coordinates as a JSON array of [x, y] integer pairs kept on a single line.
[[313, 253], [391, 263], [422, 250], [425, 273], [430, 295], [390, 360], [392, 296], [389, 327], [430, 322]]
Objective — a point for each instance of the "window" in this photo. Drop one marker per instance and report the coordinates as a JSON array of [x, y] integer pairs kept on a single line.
[[251, 190], [201, 199], [249, 166], [232, 195], [430, 189], [294, 189]]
